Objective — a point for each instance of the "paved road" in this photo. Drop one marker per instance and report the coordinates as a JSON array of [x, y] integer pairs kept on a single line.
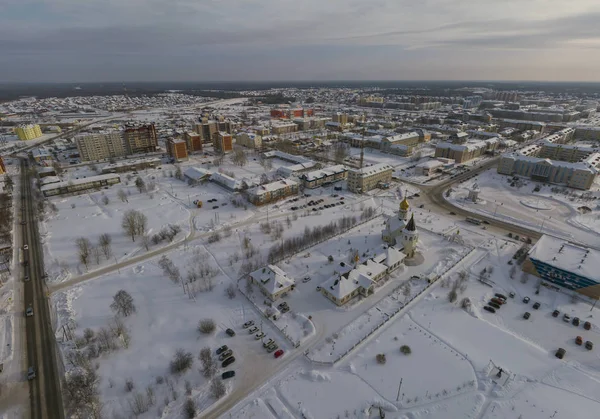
[[45, 392]]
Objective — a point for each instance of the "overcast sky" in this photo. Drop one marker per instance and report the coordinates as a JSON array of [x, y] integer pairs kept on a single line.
[[215, 40]]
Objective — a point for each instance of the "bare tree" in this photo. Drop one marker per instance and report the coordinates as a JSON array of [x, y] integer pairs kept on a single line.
[[97, 252], [406, 290], [84, 250], [178, 172], [129, 223], [141, 223], [239, 157], [190, 409], [217, 388], [123, 303], [104, 241], [231, 291], [140, 184], [105, 200], [122, 195], [146, 241], [182, 361], [209, 366], [513, 272], [81, 393], [452, 295], [206, 326]]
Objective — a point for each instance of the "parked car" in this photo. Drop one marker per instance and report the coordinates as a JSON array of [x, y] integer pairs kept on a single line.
[[575, 321], [227, 374], [579, 340], [268, 343], [566, 318], [318, 288], [248, 324], [259, 335], [31, 373], [511, 294], [29, 311], [222, 349], [272, 348], [555, 313], [526, 300], [498, 301], [495, 305], [225, 355], [216, 207], [490, 309], [285, 309], [527, 315], [560, 353], [589, 345], [278, 353], [228, 361], [501, 296], [587, 325], [306, 279], [253, 329], [230, 332], [536, 305]]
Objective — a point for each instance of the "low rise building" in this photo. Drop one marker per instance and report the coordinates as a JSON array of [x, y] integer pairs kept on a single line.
[[80, 185], [131, 164], [28, 132], [324, 176], [367, 178], [41, 156], [225, 181], [272, 281], [428, 167], [565, 264], [196, 174], [272, 192]]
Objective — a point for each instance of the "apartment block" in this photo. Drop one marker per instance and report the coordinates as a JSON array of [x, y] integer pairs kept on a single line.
[[272, 192], [193, 141], [367, 178], [565, 152], [223, 142], [28, 132], [461, 153], [140, 139], [100, 145], [324, 176], [284, 128], [177, 149], [250, 140]]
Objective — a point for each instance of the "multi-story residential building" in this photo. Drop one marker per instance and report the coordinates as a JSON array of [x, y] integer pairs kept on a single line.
[[324, 176], [283, 128], [28, 132], [566, 152], [565, 264], [340, 117], [272, 281], [223, 142], [587, 133], [575, 175], [177, 149], [41, 156], [367, 178], [193, 141], [78, 185], [131, 165], [140, 138], [272, 192], [249, 139], [461, 153], [287, 113], [307, 124], [100, 145]]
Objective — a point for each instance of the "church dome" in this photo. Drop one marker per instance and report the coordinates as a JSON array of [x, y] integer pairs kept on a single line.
[[404, 205]]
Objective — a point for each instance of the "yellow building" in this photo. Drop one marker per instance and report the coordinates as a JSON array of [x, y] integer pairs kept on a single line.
[[28, 132]]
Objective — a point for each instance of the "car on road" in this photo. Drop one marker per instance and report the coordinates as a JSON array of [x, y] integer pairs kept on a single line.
[[490, 309], [575, 321], [228, 362], [306, 279], [579, 340], [536, 305], [555, 313], [225, 355], [278, 353], [248, 324], [566, 318], [560, 353], [29, 311], [25, 247], [26, 278], [589, 345], [230, 332], [587, 325], [253, 329], [526, 300], [527, 315], [259, 335], [222, 349], [31, 373], [228, 374]]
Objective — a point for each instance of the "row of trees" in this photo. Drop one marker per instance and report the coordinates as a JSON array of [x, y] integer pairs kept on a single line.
[[86, 250], [6, 216], [290, 246]]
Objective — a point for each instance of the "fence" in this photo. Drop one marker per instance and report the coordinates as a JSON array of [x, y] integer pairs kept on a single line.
[[398, 310]]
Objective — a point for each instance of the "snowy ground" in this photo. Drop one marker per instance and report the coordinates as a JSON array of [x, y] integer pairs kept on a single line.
[[550, 210]]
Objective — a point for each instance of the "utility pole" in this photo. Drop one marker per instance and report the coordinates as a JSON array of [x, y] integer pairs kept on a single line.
[[399, 387]]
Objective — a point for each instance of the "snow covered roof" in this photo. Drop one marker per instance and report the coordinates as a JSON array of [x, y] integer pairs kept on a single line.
[[591, 166], [567, 256], [226, 181], [327, 171], [370, 170], [196, 173], [273, 186], [40, 152], [473, 145], [131, 162], [430, 164], [49, 179], [81, 181], [290, 170], [401, 137], [340, 286], [286, 156], [272, 279]]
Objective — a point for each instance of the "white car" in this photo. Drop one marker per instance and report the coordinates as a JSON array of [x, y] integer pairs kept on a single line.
[[306, 279], [25, 247], [253, 330], [259, 335]]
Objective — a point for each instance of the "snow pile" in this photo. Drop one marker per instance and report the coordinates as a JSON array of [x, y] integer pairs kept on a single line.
[[316, 376]]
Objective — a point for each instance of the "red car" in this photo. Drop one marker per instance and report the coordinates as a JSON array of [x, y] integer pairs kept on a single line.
[[278, 353]]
